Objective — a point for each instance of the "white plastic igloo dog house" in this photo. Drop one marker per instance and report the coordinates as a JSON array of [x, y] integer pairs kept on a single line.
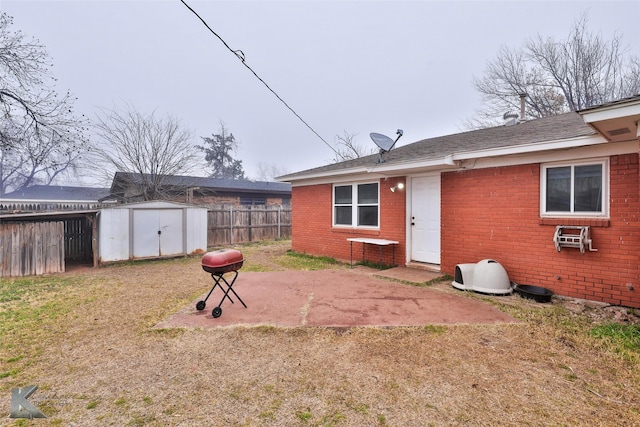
[[487, 277]]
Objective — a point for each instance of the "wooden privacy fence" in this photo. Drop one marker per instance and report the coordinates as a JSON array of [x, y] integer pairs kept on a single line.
[[242, 224], [31, 248]]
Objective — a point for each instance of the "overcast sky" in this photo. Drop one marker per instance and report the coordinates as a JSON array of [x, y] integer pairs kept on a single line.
[[354, 66]]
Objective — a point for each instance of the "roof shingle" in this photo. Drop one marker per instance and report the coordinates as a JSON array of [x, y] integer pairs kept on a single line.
[[58, 192], [220, 184], [559, 127]]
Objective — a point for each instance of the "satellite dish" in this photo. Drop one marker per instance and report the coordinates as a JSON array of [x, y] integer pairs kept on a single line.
[[384, 143]]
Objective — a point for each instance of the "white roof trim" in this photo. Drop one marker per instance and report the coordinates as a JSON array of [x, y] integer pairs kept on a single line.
[[445, 163], [333, 173], [582, 152], [614, 111]]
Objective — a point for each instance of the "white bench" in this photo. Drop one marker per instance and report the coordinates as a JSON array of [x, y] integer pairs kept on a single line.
[[377, 242]]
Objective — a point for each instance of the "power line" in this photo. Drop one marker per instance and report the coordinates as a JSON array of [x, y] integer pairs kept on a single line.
[[240, 55]]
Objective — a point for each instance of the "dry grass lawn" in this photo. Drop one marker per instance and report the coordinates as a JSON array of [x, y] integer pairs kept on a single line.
[[98, 360]]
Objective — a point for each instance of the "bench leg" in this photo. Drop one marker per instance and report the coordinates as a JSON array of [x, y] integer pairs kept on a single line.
[[351, 254]]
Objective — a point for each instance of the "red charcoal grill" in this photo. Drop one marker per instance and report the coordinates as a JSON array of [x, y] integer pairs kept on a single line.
[[218, 263]]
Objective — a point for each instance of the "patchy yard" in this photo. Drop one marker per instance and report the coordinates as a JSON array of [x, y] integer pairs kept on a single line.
[[87, 339]]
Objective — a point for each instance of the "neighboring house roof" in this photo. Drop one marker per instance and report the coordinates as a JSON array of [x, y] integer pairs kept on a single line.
[[214, 184], [58, 193], [554, 128]]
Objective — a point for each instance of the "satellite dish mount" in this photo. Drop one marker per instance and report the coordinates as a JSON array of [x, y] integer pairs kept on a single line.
[[384, 143]]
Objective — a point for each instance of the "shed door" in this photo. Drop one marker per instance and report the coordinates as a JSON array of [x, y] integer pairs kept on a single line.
[[425, 219], [157, 232]]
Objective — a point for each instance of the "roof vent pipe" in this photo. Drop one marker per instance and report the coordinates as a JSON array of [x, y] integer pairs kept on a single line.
[[523, 95]]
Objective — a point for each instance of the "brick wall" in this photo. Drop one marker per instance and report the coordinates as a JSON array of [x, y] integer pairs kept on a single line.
[[494, 213], [215, 200], [313, 233]]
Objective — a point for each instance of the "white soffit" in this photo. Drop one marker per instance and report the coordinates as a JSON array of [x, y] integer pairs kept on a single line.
[[615, 122], [611, 112]]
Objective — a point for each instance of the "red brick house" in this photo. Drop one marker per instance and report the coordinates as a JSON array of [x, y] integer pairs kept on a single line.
[[497, 193]]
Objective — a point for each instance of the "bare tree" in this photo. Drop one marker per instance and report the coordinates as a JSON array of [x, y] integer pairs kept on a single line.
[[347, 148], [269, 171], [149, 150], [40, 137], [219, 151], [557, 76]]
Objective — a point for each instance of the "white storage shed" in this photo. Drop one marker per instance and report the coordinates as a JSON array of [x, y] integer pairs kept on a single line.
[[151, 230]]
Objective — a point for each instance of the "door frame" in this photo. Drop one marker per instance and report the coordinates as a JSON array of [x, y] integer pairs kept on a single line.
[[409, 209]]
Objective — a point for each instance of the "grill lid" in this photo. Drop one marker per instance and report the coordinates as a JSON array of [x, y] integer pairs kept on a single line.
[[222, 258]]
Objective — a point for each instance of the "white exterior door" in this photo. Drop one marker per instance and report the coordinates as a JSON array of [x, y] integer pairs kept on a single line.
[[425, 219]]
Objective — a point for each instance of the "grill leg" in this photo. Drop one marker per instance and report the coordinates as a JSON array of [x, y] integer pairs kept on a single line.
[[216, 278], [230, 289]]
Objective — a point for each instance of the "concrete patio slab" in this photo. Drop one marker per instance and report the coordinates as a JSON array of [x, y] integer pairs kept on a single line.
[[332, 298]]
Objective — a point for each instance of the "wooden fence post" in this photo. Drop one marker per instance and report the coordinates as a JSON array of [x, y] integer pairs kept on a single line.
[[231, 225], [279, 213]]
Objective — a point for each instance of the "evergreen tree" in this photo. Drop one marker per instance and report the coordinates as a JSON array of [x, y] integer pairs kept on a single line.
[[219, 149]]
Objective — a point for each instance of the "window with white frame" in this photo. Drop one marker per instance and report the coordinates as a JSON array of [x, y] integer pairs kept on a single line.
[[575, 188], [356, 205]]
